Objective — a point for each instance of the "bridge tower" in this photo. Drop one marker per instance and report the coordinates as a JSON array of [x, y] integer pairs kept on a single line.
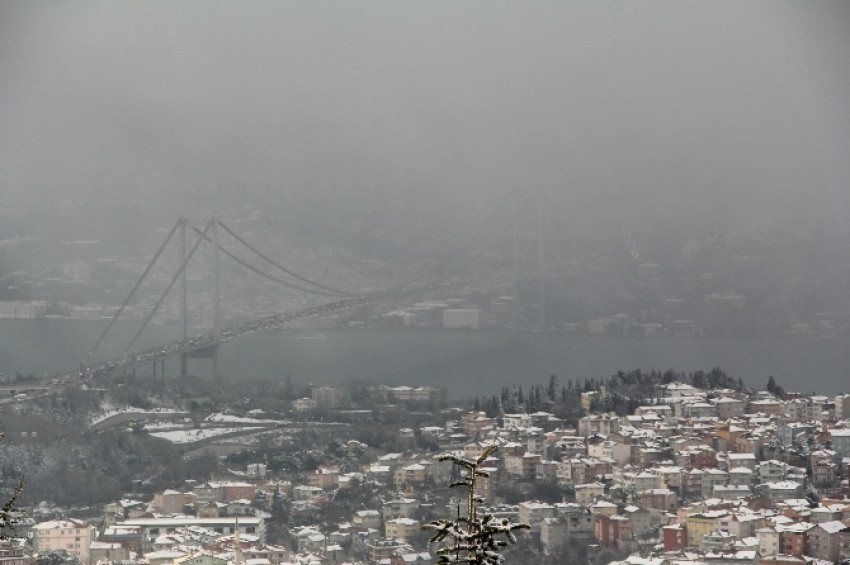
[[184, 301], [216, 303]]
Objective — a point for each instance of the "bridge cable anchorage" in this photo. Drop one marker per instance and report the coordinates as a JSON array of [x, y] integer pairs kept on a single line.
[[263, 273], [168, 288], [336, 291], [135, 288]]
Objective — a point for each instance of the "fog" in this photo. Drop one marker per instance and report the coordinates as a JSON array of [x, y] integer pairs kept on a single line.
[[708, 139], [425, 206], [614, 110]]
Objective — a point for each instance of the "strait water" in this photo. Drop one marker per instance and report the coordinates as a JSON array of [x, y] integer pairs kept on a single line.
[[465, 363]]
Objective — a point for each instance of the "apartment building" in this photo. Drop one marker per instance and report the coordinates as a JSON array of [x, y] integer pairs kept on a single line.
[[72, 536]]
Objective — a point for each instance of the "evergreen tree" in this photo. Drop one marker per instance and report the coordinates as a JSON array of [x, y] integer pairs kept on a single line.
[[537, 399], [771, 384], [476, 538], [553, 385], [9, 513]]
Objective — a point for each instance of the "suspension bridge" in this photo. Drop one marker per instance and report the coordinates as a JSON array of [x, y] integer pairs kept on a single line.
[[207, 345]]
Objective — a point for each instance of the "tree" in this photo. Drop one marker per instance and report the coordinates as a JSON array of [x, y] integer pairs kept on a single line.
[[57, 557], [771, 384], [474, 538], [553, 386], [699, 380], [9, 514], [547, 491]]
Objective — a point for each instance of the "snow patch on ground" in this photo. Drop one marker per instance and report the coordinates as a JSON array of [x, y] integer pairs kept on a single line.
[[128, 410], [193, 435], [228, 419], [165, 426]]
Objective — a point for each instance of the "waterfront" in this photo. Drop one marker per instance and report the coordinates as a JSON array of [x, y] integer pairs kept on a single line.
[[465, 363]]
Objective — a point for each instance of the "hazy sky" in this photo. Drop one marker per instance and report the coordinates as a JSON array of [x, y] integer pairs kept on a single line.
[[613, 108]]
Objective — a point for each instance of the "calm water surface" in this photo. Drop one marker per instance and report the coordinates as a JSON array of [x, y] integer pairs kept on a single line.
[[465, 363]]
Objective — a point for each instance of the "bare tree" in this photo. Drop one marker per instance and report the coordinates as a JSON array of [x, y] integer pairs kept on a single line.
[[475, 538]]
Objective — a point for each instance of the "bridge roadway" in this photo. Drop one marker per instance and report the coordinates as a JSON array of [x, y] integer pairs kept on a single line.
[[208, 340]]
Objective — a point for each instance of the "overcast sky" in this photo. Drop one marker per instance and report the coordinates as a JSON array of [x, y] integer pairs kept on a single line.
[[612, 108]]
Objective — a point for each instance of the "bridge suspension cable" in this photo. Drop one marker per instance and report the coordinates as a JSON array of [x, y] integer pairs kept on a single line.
[[170, 284], [263, 273], [262, 255], [133, 291]]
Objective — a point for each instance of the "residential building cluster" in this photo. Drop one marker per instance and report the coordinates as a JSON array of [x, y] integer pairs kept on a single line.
[[693, 476], [22, 309]]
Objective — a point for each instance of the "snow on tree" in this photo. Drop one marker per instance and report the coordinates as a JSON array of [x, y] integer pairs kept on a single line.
[[475, 538], [9, 514]]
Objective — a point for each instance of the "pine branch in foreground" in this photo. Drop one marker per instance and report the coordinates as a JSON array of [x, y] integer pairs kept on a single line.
[[9, 514], [476, 538]]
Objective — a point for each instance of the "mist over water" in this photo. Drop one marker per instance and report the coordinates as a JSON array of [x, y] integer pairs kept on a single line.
[[464, 363]]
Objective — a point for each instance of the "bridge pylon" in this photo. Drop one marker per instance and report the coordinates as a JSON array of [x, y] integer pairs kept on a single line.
[[216, 303], [212, 351]]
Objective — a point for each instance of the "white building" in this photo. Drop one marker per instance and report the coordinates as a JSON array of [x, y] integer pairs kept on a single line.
[[21, 310], [72, 536], [533, 513], [155, 527], [463, 318]]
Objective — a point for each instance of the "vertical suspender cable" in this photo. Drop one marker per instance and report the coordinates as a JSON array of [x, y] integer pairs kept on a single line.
[[216, 304]]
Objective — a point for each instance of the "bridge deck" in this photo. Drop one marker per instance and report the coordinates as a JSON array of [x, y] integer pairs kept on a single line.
[[209, 340]]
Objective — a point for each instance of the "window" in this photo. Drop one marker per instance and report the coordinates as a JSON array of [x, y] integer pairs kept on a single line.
[[250, 530]]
